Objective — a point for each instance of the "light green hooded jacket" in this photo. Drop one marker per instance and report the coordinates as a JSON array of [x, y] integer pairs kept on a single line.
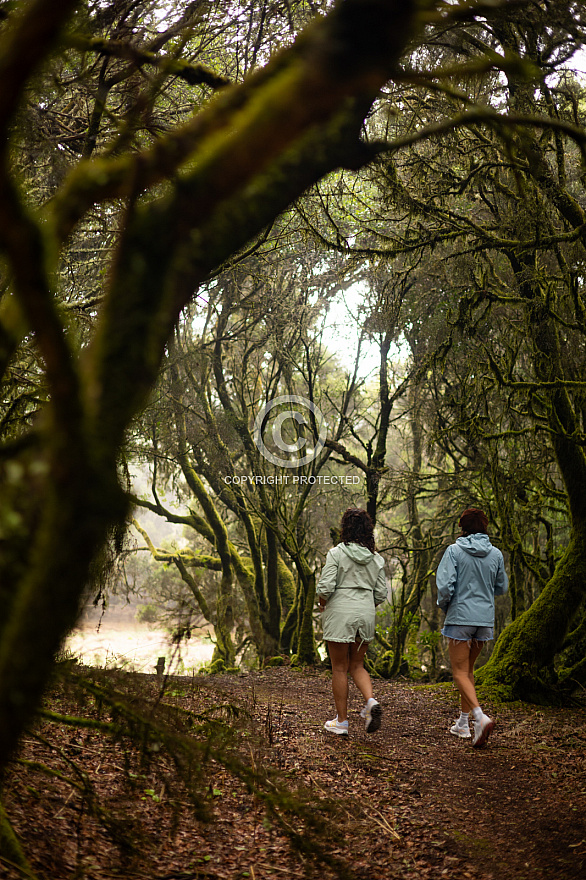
[[353, 567]]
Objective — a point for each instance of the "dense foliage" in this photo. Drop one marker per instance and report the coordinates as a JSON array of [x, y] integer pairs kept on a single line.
[[185, 194], [189, 192]]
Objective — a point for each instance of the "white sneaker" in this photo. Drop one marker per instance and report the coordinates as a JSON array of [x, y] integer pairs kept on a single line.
[[463, 731], [373, 714], [335, 726], [482, 730]]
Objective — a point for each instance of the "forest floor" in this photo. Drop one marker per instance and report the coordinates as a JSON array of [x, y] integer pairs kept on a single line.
[[409, 802]]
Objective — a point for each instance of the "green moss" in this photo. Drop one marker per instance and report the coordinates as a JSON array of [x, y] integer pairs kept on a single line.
[[274, 661], [10, 848], [433, 686], [475, 845], [384, 664], [218, 667], [522, 664], [286, 584]]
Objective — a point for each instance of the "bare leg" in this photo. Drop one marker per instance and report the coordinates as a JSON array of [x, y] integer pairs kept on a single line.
[[356, 668], [339, 656], [475, 651], [463, 655]]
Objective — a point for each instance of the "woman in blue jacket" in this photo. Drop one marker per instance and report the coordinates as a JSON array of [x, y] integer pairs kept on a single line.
[[352, 583], [470, 575]]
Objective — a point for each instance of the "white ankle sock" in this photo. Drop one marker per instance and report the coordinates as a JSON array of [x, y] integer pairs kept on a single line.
[[463, 719], [477, 713]]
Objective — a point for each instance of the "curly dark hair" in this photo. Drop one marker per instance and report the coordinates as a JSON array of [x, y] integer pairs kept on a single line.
[[357, 528], [473, 521]]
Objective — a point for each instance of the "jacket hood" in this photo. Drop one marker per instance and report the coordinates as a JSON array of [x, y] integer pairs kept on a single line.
[[476, 545], [357, 553]]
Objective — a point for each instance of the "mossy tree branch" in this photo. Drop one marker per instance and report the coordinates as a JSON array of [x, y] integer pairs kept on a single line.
[[11, 851], [193, 74]]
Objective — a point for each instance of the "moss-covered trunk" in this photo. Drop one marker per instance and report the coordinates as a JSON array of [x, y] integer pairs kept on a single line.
[[306, 650], [291, 626], [521, 665], [273, 593]]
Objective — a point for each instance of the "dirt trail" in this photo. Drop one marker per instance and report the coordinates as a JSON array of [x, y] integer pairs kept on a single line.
[[515, 809], [415, 803]]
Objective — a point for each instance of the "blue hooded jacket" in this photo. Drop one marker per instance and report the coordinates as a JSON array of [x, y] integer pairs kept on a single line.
[[470, 575]]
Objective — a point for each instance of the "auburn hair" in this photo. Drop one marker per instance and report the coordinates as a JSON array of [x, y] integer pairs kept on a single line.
[[472, 521], [357, 528]]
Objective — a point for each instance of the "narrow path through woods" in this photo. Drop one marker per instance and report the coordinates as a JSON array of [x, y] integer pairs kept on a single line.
[[515, 809], [413, 802]]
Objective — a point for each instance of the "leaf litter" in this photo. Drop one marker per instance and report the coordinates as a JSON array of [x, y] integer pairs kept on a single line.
[[409, 802]]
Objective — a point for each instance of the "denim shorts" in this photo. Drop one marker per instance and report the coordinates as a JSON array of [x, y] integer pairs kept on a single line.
[[467, 633]]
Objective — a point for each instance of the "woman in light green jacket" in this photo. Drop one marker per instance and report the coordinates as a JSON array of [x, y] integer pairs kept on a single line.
[[351, 585]]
